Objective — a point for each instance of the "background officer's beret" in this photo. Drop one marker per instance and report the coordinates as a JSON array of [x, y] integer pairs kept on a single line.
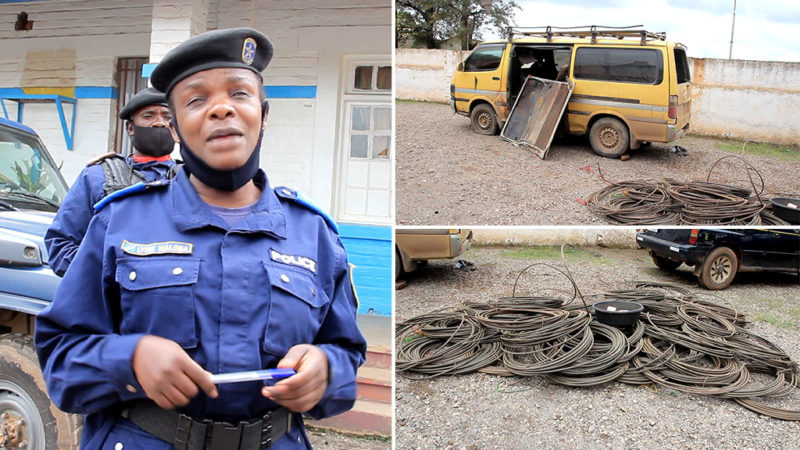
[[243, 48], [145, 97]]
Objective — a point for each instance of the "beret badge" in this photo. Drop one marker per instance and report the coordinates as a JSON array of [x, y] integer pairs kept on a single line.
[[249, 51]]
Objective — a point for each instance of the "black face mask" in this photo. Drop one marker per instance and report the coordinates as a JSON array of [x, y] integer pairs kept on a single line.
[[224, 180], [152, 141]]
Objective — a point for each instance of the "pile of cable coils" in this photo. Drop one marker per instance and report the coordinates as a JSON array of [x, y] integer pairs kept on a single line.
[[681, 341], [654, 202]]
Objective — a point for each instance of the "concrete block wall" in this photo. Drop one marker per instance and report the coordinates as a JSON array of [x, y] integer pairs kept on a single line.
[[617, 237], [756, 100]]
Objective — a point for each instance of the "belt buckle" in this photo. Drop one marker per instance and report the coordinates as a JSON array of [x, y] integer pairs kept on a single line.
[[225, 436]]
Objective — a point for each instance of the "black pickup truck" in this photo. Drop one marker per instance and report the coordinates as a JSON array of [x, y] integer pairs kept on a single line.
[[719, 254]]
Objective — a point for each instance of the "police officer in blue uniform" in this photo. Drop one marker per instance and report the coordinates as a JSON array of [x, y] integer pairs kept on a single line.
[[147, 119], [214, 272]]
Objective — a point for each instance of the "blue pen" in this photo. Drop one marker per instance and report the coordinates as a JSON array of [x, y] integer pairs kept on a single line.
[[252, 375]]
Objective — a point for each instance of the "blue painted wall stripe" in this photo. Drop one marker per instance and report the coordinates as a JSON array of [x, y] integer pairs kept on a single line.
[[147, 70], [80, 92], [96, 92], [370, 249], [11, 92], [291, 91]]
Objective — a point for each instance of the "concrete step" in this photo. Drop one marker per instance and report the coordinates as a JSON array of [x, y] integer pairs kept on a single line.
[[374, 384], [366, 417]]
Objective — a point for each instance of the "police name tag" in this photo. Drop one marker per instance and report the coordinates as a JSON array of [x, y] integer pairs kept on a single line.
[[157, 248], [292, 260]]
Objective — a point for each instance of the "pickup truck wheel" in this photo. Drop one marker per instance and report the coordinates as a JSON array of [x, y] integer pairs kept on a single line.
[[29, 420], [398, 265], [609, 137], [719, 268], [483, 120], [664, 263]]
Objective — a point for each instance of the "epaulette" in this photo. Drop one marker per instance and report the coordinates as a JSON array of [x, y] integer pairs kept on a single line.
[[284, 192], [101, 158], [128, 191]]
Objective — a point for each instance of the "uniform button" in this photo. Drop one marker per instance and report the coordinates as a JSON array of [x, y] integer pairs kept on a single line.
[[130, 388], [132, 275], [177, 271], [284, 278], [287, 192], [118, 446]]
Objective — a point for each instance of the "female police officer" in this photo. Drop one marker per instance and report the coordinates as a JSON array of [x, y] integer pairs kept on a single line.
[[212, 272]]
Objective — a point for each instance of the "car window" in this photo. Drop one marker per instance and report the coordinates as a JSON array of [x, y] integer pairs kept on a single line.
[[484, 58], [25, 169], [682, 66], [644, 66]]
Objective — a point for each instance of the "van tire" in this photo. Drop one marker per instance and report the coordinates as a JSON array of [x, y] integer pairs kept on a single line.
[[23, 395], [609, 137], [483, 119]]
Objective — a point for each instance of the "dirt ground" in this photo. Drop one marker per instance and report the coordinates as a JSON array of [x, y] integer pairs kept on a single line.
[[448, 175], [476, 410]]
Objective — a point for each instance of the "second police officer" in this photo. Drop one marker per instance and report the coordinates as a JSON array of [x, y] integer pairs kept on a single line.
[[211, 272], [146, 117]]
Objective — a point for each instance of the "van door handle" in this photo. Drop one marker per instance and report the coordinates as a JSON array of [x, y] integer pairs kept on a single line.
[[496, 78]]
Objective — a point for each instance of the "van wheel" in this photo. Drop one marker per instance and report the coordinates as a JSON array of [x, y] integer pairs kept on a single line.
[[27, 416], [609, 137], [483, 120], [719, 268]]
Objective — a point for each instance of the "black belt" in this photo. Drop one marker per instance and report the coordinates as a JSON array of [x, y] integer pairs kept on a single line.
[[187, 433]]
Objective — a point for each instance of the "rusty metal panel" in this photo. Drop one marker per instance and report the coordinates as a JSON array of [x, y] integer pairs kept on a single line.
[[537, 111]]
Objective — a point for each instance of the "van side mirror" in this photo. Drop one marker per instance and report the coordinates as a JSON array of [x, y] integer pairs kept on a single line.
[[460, 67]]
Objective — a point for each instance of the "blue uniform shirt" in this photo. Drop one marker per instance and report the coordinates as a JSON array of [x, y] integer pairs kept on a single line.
[[235, 298], [65, 234]]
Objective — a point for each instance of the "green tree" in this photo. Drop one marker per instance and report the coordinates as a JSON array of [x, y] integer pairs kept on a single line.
[[429, 23]]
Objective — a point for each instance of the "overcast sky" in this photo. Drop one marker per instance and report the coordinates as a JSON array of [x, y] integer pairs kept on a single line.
[[765, 29]]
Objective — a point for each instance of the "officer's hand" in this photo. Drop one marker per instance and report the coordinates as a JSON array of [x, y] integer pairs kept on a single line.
[[167, 374], [301, 391]]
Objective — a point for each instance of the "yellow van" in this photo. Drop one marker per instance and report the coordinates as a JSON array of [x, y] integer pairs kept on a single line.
[[631, 86]]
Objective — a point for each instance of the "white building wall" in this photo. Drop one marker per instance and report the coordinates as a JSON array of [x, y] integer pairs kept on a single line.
[[72, 44], [311, 39]]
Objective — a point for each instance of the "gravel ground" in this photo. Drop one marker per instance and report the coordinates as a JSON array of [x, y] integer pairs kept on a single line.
[[321, 438], [448, 175], [473, 412]]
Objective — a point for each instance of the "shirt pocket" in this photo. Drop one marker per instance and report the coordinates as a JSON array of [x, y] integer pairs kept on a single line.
[[157, 296], [296, 310]]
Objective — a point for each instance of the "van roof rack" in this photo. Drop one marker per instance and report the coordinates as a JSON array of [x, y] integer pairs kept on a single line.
[[592, 31]]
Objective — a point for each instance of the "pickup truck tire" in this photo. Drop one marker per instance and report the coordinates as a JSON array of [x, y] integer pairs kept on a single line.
[[719, 268], [23, 396], [483, 120], [665, 263], [609, 137]]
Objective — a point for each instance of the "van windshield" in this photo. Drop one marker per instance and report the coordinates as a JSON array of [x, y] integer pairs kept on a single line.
[[625, 65]]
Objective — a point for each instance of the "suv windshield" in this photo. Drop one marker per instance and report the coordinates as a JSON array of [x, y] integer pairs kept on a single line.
[[28, 178]]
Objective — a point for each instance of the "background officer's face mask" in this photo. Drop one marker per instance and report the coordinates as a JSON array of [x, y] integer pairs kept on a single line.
[[152, 141], [224, 180]]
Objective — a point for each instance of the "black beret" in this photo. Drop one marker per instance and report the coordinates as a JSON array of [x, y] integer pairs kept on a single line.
[[243, 48], [145, 97]]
